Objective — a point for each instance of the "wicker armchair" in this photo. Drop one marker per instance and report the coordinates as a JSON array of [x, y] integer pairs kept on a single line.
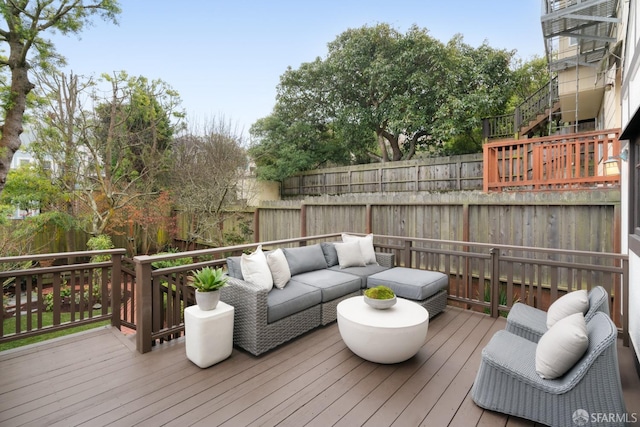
[[507, 381], [531, 323]]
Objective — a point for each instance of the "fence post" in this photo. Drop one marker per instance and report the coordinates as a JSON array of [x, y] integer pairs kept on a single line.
[[144, 309], [407, 253], [303, 221], [256, 225], [495, 281], [486, 158], [116, 290]]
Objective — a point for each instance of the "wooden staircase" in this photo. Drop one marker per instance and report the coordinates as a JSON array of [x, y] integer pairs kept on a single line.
[[529, 116], [540, 119]]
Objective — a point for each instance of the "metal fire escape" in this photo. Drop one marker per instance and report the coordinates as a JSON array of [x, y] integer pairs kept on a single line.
[[580, 34]]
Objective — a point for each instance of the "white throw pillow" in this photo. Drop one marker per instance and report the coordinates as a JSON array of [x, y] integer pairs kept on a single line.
[[256, 270], [562, 346], [366, 246], [570, 303], [279, 268], [349, 254]]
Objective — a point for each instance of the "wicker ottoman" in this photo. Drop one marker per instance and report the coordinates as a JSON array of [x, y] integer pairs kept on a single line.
[[427, 288]]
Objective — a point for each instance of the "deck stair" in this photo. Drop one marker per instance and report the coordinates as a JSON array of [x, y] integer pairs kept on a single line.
[[533, 114], [540, 119]]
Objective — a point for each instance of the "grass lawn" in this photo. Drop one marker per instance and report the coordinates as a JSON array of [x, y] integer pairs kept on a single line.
[[47, 320]]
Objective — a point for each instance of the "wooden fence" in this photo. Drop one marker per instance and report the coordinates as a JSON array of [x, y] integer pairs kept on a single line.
[[572, 220], [454, 173]]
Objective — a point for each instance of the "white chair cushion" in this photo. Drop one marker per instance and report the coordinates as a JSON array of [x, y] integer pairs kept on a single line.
[[570, 303], [350, 254], [279, 268], [562, 346], [366, 246], [255, 269]]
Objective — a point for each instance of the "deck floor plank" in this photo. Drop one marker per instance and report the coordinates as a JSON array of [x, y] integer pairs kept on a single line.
[[96, 378]]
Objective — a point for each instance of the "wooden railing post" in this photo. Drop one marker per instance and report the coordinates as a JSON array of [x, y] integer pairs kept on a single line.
[[116, 290], [144, 309], [495, 281]]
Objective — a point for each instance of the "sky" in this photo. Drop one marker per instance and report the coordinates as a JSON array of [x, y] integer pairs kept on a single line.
[[225, 58]]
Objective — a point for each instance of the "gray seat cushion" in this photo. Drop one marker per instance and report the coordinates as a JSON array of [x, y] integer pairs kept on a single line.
[[411, 283], [294, 298], [362, 272], [333, 284]]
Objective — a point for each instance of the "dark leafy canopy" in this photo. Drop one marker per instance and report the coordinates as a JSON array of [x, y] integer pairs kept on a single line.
[[380, 95]]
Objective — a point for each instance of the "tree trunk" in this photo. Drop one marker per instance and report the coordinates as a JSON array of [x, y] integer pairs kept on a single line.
[[383, 147], [14, 109]]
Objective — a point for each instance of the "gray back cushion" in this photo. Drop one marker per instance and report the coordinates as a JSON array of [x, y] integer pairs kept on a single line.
[[330, 253], [233, 267], [305, 258]]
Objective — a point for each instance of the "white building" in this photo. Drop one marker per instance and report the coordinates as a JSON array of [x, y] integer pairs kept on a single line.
[[630, 99]]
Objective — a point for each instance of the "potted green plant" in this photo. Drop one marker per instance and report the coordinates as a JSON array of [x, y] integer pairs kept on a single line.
[[207, 281], [380, 297]]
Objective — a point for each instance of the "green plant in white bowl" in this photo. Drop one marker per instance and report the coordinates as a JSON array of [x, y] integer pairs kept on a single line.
[[380, 297], [208, 281]]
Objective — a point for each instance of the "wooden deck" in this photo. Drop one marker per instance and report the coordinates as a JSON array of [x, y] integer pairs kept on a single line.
[[97, 378]]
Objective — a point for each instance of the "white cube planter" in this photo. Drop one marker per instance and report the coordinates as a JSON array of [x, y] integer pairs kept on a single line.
[[208, 334]]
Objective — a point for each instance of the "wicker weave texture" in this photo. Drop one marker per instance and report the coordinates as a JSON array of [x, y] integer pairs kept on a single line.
[[385, 259], [251, 330], [436, 303], [330, 309], [507, 382]]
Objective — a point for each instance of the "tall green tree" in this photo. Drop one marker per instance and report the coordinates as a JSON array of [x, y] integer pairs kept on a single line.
[[25, 22], [480, 86], [528, 77], [379, 95]]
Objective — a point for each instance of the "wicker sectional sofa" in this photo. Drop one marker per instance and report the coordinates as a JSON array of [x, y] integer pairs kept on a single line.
[[265, 319]]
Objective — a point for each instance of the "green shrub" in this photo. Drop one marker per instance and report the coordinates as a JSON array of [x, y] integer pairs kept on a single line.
[[171, 262], [100, 243]]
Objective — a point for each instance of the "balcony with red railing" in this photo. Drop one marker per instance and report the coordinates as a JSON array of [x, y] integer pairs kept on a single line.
[[558, 162]]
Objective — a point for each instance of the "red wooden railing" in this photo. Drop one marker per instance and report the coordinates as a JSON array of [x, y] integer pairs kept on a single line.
[[553, 162]]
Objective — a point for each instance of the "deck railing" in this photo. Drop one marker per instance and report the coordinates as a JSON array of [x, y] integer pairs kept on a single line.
[[483, 277], [74, 293], [554, 162]]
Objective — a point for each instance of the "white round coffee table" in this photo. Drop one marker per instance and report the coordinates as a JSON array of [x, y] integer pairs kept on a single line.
[[383, 336]]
